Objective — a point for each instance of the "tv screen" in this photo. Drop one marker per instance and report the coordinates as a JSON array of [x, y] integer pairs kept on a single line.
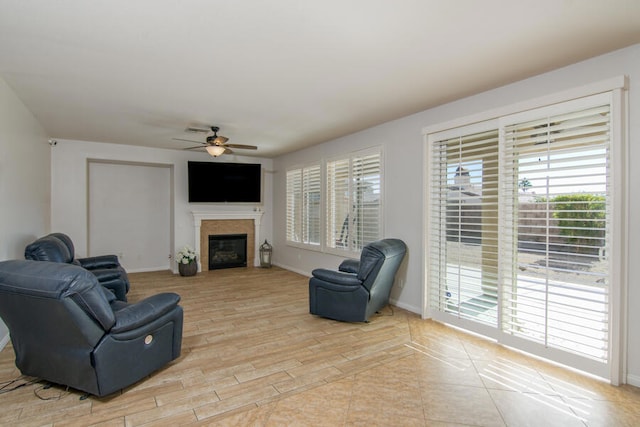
[[214, 182]]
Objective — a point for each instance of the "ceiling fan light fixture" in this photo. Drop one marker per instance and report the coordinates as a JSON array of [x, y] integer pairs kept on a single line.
[[217, 140], [215, 150], [216, 145]]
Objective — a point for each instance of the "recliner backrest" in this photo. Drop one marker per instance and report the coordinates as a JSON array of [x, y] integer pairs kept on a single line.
[[48, 248], [57, 315], [67, 241], [380, 261], [371, 260], [50, 284]]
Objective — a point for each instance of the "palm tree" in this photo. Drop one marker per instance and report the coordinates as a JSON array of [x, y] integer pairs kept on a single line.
[[524, 184]]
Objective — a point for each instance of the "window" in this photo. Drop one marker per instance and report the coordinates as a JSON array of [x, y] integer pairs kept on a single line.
[[520, 230], [303, 205], [353, 206]]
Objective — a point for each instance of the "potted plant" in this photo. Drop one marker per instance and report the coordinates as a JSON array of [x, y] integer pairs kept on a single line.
[[187, 261]]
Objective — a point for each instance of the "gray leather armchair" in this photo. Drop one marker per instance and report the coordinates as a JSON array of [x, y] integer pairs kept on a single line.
[[67, 329], [359, 288], [58, 247]]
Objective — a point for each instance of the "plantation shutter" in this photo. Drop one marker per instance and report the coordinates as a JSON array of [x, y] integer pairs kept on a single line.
[[311, 207], [366, 199], [337, 203], [520, 231], [463, 230], [294, 213], [556, 185], [303, 205], [353, 207]]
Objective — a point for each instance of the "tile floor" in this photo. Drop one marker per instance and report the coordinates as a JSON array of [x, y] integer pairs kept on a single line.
[[253, 356]]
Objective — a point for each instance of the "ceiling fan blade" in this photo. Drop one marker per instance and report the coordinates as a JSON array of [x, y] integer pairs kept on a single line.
[[192, 129], [241, 146], [214, 140], [189, 140]]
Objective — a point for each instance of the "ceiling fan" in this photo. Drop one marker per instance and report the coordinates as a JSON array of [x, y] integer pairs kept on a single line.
[[215, 145]]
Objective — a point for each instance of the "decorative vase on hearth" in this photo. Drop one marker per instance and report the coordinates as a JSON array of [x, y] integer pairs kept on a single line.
[[189, 269]]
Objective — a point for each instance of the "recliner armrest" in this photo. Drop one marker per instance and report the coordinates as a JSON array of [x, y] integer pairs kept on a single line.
[[143, 312], [106, 274], [336, 277], [102, 261], [350, 266]]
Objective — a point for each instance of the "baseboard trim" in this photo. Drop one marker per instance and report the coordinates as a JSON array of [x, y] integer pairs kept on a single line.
[[404, 306], [293, 269], [633, 380], [149, 269]]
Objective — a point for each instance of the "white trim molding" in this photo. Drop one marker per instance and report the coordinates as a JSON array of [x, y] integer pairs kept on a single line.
[[255, 215]]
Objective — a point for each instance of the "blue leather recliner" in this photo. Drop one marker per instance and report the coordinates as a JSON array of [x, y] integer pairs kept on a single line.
[[67, 329], [58, 247], [359, 288]]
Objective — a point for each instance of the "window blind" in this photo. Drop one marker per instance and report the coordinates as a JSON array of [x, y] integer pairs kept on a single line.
[[353, 209], [311, 185], [338, 204], [558, 295], [294, 214], [519, 230], [464, 228], [366, 199], [303, 205]]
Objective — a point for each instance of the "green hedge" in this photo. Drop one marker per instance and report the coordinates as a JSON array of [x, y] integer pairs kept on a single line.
[[581, 218]]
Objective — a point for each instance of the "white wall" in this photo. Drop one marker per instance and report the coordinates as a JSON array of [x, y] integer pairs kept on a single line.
[[69, 188], [145, 227], [403, 147], [24, 180]]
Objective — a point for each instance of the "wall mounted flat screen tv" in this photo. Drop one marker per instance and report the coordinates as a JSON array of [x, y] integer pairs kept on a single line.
[[216, 182]]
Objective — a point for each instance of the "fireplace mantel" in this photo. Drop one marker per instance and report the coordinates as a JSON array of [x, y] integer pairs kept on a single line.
[[255, 215]]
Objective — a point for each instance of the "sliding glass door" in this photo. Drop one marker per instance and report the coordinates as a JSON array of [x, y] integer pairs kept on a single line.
[[519, 230]]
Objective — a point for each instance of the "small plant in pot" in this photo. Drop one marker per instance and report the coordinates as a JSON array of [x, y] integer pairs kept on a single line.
[[187, 261]]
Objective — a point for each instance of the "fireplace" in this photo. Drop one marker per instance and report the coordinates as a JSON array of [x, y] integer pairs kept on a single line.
[[227, 251], [206, 224]]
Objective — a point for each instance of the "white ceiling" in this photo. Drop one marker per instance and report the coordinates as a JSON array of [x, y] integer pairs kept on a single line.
[[281, 74]]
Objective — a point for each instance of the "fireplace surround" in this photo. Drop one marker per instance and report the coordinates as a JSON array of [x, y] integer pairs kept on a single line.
[[228, 222]]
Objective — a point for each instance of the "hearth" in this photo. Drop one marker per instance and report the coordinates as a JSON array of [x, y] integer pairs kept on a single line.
[[227, 251]]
